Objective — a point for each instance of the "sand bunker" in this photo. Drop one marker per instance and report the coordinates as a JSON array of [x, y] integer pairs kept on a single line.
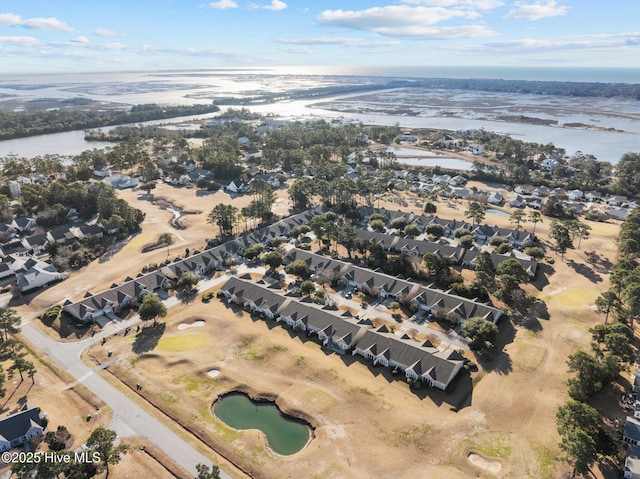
[[196, 324], [212, 373], [493, 467]]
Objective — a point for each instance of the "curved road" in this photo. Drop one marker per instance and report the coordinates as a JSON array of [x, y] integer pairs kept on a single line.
[[128, 418]]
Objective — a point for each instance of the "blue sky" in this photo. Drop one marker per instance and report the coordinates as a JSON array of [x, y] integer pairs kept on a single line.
[[115, 35]]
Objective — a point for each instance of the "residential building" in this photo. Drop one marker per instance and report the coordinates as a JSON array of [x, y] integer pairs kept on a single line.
[[20, 428]]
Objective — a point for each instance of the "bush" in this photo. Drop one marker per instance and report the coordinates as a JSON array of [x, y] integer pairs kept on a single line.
[[305, 246], [377, 225], [460, 232], [206, 297], [504, 248], [435, 230], [535, 252], [497, 241], [394, 305], [52, 313]]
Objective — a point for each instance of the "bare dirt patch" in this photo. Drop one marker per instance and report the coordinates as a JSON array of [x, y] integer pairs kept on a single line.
[[488, 465]]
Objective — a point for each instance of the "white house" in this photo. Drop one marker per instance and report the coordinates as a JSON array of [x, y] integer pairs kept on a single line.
[[495, 198], [549, 164], [476, 149], [575, 195]]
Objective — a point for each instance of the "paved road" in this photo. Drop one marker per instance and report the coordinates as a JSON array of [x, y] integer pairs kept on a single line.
[[128, 418]]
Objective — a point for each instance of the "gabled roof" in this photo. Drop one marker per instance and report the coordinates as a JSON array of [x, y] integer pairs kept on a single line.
[[16, 425]]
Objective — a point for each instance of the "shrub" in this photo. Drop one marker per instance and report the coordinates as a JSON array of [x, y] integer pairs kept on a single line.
[[52, 312], [377, 225], [504, 248], [435, 230], [497, 241], [206, 297], [460, 232], [535, 252], [305, 246], [394, 305]]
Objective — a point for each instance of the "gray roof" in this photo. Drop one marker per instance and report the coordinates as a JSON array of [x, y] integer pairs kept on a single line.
[[15, 426], [423, 360], [632, 429]]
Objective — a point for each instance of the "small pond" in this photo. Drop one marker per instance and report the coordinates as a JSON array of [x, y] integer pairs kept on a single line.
[[497, 212], [285, 435]]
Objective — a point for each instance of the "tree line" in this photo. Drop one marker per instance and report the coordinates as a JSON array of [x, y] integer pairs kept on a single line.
[[18, 125]]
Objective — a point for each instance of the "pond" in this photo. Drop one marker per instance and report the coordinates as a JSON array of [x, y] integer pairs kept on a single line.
[[497, 212], [285, 435]]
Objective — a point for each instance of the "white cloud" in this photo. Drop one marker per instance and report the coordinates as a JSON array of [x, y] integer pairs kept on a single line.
[[537, 10], [80, 39], [392, 16], [468, 4], [20, 41], [35, 23], [344, 41], [299, 50], [603, 42], [275, 5], [223, 4], [407, 21], [104, 32]]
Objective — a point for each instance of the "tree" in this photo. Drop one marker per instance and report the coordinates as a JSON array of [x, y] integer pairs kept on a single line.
[[307, 288], [510, 273], [101, 441], [148, 186], [297, 268], [535, 217], [152, 308], [480, 331], [9, 323], [606, 302], [435, 230], [591, 375], [580, 230], [560, 233], [436, 264], [273, 259], [466, 241], [205, 473], [517, 217], [430, 208], [253, 251], [224, 216], [475, 211], [577, 415], [412, 230], [580, 449], [187, 281]]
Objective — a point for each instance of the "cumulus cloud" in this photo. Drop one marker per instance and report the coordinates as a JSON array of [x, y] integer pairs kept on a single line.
[[392, 16], [35, 23], [275, 5], [104, 32], [344, 41], [223, 4], [407, 21], [536, 11], [20, 41]]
